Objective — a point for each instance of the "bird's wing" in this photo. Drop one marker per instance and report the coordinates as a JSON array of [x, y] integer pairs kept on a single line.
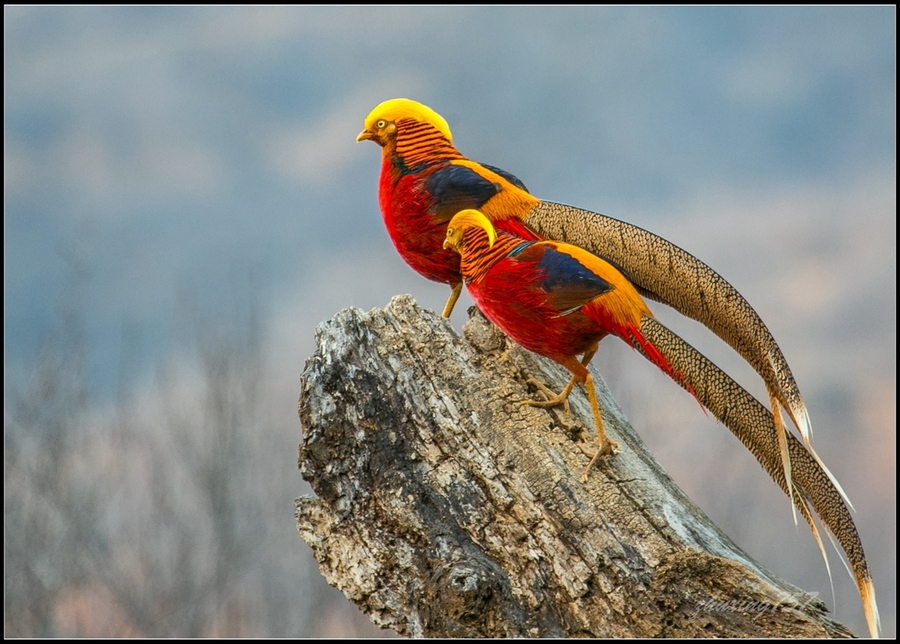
[[457, 187], [509, 176], [568, 280]]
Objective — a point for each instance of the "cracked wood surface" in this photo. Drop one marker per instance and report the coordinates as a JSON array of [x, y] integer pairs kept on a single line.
[[445, 507]]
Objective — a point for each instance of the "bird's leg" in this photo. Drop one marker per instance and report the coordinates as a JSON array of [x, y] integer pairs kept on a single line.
[[563, 398], [456, 289], [606, 446]]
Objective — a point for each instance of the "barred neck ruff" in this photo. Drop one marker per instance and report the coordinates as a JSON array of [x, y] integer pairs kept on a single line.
[[419, 142], [478, 257]]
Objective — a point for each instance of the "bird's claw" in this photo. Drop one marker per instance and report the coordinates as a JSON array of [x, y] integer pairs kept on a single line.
[[608, 448], [553, 400]]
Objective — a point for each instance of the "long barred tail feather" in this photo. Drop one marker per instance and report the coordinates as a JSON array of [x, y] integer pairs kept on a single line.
[[753, 424], [649, 351]]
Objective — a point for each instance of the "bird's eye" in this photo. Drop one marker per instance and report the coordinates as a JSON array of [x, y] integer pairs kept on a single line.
[[380, 124]]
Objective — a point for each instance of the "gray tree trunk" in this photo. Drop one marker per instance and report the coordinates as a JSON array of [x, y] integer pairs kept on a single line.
[[446, 508]]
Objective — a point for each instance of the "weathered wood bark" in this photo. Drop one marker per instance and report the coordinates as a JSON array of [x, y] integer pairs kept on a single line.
[[447, 508]]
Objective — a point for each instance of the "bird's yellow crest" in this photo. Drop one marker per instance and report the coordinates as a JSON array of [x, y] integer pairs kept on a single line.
[[466, 219], [400, 108]]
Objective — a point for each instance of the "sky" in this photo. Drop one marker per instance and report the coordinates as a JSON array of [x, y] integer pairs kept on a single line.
[[182, 153]]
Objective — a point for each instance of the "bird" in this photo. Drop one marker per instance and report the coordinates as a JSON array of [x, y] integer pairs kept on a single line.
[[425, 180], [554, 299], [560, 301]]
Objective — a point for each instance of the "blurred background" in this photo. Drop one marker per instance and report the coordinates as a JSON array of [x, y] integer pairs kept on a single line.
[[184, 201]]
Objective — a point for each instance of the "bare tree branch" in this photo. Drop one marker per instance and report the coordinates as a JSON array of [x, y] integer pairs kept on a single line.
[[447, 508]]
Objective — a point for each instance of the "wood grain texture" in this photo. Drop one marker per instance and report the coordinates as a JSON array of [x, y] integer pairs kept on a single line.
[[445, 507]]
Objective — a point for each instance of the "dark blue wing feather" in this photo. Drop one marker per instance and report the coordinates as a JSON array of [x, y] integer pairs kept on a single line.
[[454, 188], [570, 283], [513, 179]]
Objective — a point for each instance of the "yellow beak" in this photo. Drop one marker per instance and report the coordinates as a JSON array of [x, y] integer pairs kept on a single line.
[[364, 135]]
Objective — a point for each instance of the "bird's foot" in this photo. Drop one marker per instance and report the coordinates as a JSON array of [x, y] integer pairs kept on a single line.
[[607, 448], [553, 400]]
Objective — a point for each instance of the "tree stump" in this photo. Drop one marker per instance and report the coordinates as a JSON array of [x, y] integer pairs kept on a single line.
[[447, 508]]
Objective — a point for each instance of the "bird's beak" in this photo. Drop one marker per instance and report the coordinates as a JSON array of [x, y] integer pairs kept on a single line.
[[365, 134], [446, 244]]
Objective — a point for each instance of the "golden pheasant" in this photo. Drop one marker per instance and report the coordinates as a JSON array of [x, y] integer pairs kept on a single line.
[[555, 299], [559, 301]]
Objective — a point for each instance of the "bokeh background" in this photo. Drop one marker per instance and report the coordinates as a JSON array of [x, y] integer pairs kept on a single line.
[[184, 201]]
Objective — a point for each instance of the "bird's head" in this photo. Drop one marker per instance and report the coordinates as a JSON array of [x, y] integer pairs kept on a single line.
[[381, 123], [463, 221]]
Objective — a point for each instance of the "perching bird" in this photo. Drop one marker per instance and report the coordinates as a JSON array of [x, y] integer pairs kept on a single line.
[[555, 299], [425, 180], [559, 300]]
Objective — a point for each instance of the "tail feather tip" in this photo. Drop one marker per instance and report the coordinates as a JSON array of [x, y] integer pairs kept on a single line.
[[873, 619]]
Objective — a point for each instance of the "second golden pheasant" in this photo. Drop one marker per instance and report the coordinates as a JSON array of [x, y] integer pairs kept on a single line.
[[559, 300]]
